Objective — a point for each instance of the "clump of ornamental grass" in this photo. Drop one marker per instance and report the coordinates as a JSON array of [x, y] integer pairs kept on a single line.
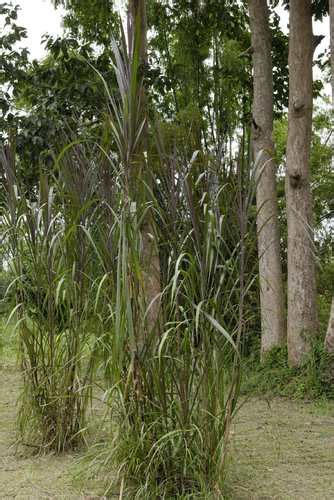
[[50, 261], [173, 390], [172, 385]]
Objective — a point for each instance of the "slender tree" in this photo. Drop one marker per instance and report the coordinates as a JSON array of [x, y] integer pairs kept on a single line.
[[270, 269], [331, 23], [329, 340], [302, 321]]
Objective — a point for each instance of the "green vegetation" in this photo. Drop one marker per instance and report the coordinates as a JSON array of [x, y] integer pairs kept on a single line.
[[130, 317], [313, 380]]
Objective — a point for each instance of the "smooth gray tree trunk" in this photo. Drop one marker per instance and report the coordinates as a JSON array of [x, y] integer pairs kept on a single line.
[[329, 340], [302, 318], [331, 28], [270, 268]]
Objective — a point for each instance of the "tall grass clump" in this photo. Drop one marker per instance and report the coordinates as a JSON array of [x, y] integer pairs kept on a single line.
[[173, 384], [45, 232]]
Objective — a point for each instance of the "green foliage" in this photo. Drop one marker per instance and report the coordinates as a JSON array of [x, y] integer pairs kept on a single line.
[[280, 65], [196, 64], [62, 96], [314, 379], [13, 65], [92, 21], [43, 102], [193, 65], [321, 168]]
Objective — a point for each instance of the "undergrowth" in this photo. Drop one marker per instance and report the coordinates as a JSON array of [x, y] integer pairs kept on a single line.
[[313, 380]]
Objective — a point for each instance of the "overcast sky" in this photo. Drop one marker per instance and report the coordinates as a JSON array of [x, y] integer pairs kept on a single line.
[[40, 17]]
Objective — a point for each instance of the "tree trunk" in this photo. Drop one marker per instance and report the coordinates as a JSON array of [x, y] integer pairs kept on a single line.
[[270, 269], [142, 178], [331, 27], [329, 340], [302, 320]]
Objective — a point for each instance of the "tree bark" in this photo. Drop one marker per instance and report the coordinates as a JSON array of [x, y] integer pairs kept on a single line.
[[331, 28], [329, 339], [142, 178], [270, 268], [302, 318]]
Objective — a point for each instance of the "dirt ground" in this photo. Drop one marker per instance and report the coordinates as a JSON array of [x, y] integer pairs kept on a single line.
[[280, 450]]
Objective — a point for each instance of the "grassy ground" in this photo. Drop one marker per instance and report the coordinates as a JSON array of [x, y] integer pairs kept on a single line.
[[281, 449], [24, 475]]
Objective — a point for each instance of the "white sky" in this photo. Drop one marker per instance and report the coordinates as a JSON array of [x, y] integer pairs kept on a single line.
[[39, 17]]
